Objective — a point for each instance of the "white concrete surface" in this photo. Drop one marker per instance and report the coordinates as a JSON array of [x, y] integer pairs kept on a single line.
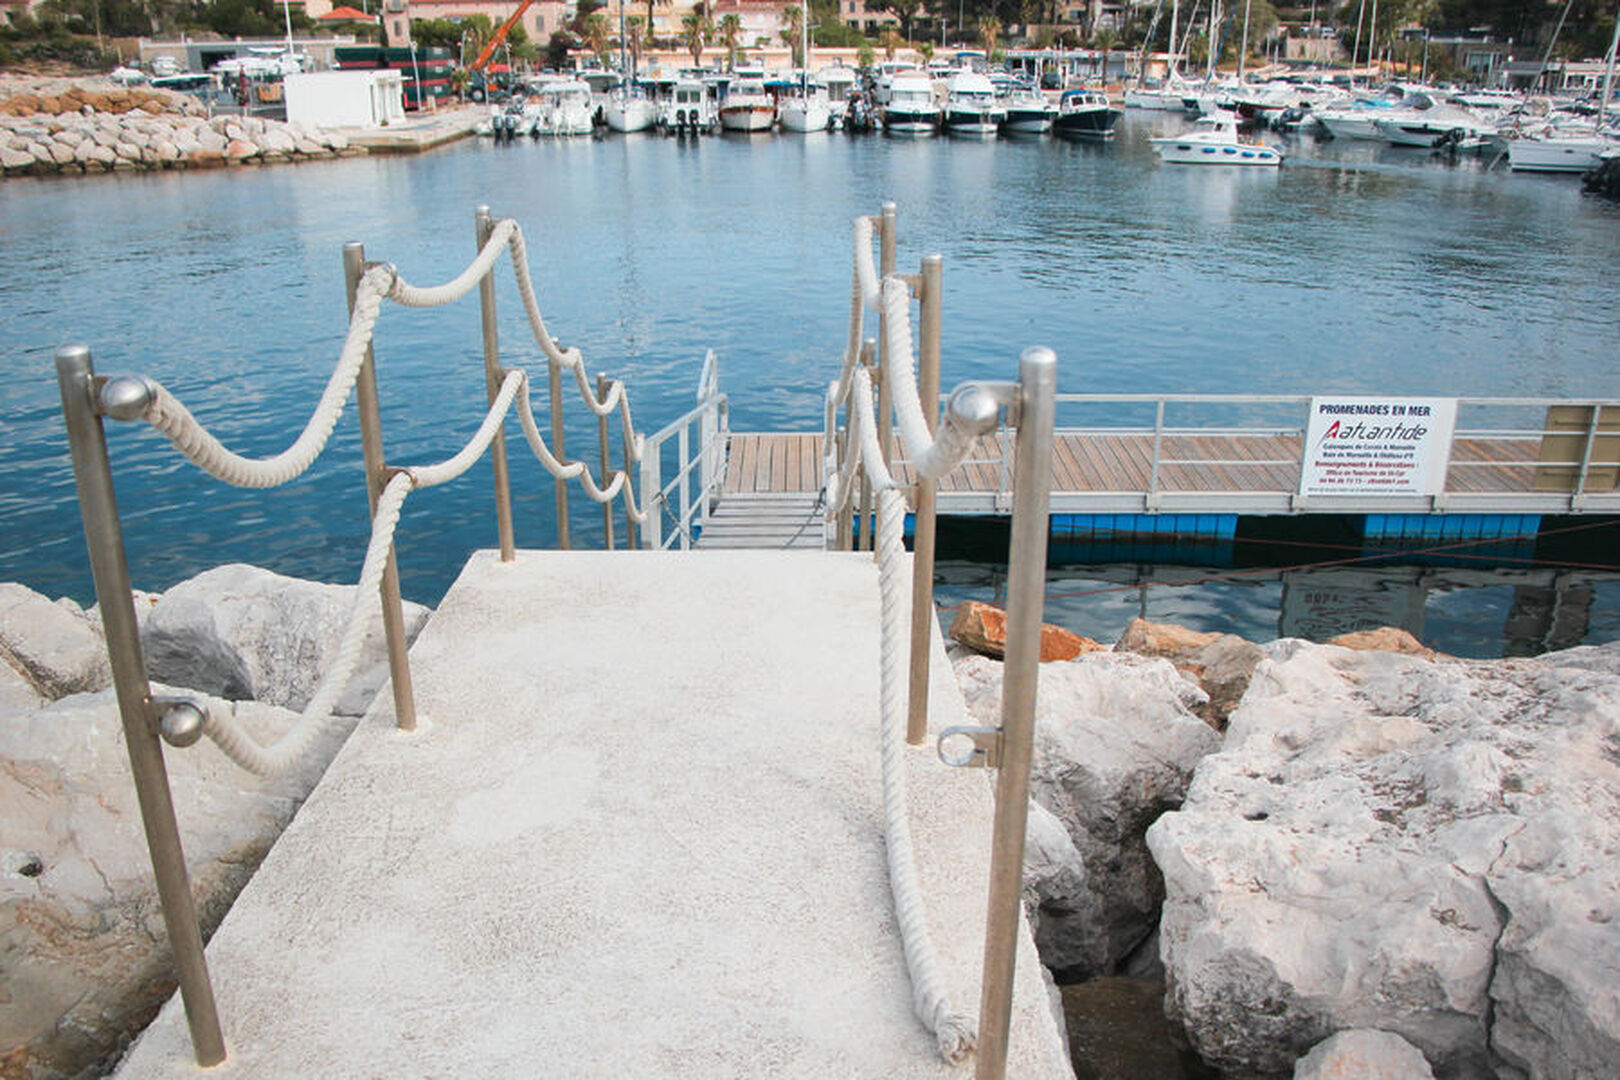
[[639, 834]]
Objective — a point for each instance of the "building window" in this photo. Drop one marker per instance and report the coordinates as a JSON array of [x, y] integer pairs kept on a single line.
[[539, 24]]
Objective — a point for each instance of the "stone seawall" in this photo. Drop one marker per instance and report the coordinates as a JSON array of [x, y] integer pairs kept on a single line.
[[56, 127]]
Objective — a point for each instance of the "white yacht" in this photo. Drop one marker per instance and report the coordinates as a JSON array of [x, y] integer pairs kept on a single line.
[[911, 109], [971, 107], [747, 106], [1564, 150], [562, 107], [1214, 141], [690, 107]]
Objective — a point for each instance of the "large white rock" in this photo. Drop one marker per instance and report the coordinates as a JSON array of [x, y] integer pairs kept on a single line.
[[1364, 1055], [86, 958], [1115, 744], [1373, 826], [246, 633], [53, 645]]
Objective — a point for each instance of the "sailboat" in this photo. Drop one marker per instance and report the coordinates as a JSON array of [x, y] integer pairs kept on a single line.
[[1570, 149], [811, 108], [628, 109]]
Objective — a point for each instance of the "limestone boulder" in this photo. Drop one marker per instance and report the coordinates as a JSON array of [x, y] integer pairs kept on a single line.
[[55, 647], [1421, 847], [249, 634], [13, 160], [1219, 663], [1364, 1055], [87, 963], [276, 140], [1116, 741], [1383, 639], [241, 150]]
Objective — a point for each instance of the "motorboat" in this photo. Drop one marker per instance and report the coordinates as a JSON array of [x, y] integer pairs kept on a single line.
[[689, 108], [1029, 112], [126, 75], [842, 85], [1566, 150], [971, 107], [1086, 113], [1422, 120], [747, 106], [629, 109], [883, 79], [1214, 141], [911, 109], [562, 107]]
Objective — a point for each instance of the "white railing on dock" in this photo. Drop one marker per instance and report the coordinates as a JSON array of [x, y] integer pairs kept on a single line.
[[696, 478], [1505, 455]]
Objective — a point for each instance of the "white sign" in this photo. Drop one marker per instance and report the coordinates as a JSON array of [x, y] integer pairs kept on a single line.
[[1377, 446]]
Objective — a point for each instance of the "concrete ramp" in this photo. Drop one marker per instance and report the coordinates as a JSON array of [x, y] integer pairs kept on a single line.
[[638, 834]]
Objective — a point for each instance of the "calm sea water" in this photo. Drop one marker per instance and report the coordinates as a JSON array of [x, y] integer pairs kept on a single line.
[[1353, 269]]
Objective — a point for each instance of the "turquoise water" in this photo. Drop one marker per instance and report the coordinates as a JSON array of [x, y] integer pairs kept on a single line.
[[1353, 268]]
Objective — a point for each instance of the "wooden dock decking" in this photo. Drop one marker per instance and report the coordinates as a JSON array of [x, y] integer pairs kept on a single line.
[[1113, 471]]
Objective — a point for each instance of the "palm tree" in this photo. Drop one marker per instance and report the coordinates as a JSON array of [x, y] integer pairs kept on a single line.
[[730, 30], [989, 34], [792, 30], [890, 41], [638, 35], [696, 29], [925, 49], [597, 31]]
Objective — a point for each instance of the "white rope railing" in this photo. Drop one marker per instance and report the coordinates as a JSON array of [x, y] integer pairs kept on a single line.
[[954, 1032], [170, 416]]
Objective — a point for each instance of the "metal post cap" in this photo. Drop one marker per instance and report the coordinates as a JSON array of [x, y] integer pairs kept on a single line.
[[974, 408], [126, 397], [181, 723]]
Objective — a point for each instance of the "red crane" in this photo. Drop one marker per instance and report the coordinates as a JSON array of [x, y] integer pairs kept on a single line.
[[499, 36]]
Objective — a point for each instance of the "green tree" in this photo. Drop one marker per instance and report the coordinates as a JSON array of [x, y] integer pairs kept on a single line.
[[989, 33], [730, 30], [596, 32], [905, 11], [865, 56], [696, 30], [638, 38], [792, 32]]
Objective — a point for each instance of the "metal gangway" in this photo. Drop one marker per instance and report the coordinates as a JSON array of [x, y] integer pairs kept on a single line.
[[440, 903]]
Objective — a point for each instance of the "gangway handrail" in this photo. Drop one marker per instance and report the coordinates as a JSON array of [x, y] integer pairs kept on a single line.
[[88, 398], [712, 414], [857, 463]]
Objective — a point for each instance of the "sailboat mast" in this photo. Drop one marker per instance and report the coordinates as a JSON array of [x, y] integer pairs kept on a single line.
[[1175, 14], [1214, 43], [1608, 73], [1243, 50]]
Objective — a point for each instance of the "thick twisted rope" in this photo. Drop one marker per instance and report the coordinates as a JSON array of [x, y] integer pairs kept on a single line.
[[236, 741], [954, 1032]]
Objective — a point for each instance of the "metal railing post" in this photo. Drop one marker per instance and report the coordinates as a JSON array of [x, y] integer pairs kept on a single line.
[[922, 546], [885, 427], [652, 484], [1026, 588], [104, 539], [626, 451], [371, 446], [492, 385], [683, 456], [554, 387], [604, 442], [1158, 451], [886, 250]]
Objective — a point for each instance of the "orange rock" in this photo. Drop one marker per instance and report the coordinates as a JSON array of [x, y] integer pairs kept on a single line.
[[983, 629], [1384, 639], [1161, 639]]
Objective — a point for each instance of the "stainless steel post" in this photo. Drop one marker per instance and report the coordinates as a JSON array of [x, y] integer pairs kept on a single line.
[[631, 538], [371, 446], [922, 546], [104, 538], [1026, 588], [492, 385], [885, 408], [604, 443], [554, 385], [868, 354]]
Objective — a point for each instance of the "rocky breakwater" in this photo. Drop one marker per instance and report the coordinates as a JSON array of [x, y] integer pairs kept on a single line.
[[49, 128], [85, 956], [1389, 862]]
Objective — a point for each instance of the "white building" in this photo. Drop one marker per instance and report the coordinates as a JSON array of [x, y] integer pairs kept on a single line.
[[346, 99]]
